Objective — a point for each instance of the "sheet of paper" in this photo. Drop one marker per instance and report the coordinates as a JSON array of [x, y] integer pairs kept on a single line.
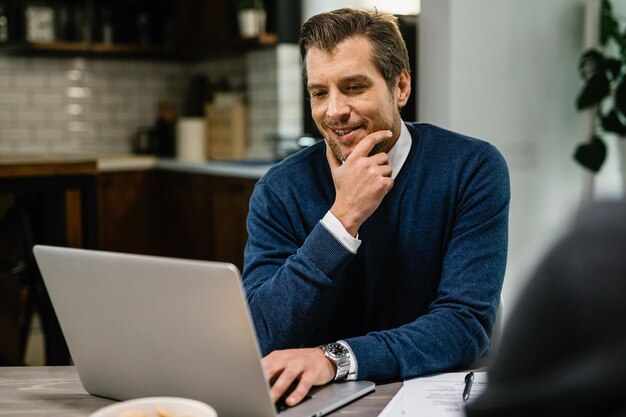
[[434, 396], [440, 395]]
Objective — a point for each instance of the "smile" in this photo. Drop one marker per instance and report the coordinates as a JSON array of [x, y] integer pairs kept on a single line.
[[344, 132]]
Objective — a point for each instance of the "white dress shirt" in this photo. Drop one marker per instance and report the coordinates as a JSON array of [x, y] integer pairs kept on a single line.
[[397, 157]]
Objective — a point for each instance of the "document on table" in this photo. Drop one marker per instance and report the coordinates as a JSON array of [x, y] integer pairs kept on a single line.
[[438, 395]]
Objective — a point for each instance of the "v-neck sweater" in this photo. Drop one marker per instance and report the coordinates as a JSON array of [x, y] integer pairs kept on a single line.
[[421, 293]]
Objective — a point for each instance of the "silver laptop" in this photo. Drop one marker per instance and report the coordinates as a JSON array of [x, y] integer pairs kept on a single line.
[[139, 326]]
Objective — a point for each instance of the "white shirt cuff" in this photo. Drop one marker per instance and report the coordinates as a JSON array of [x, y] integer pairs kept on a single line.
[[354, 366], [335, 228]]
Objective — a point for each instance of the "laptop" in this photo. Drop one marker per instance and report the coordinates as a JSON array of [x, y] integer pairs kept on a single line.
[[139, 326]]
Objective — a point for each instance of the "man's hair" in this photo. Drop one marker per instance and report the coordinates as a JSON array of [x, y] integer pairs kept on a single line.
[[326, 30]]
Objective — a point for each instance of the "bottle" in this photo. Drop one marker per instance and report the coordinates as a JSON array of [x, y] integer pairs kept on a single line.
[[107, 26], [4, 26], [164, 130]]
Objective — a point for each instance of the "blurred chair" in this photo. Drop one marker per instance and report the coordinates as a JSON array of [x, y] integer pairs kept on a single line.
[[16, 275]]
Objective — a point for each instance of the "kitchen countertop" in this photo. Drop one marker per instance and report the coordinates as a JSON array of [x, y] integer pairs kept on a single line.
[[238, 169]]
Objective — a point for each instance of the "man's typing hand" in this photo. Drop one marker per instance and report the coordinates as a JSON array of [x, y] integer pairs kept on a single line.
[[361, 182], [308, 365]]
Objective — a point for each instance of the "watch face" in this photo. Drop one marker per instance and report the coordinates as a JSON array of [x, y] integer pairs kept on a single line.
[[337, 349]]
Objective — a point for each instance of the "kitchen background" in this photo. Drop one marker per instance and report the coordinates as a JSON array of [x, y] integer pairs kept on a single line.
[[502, 70], [107, 78]]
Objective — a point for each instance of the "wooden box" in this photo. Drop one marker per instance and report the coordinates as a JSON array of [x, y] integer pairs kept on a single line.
[[227, 129]]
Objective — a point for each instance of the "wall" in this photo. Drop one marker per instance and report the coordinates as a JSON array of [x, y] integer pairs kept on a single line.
[[506, 71], [275, 93], [91, 105], [312, 7]]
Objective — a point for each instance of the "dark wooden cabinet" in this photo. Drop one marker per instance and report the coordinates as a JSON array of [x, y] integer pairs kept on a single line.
[[183, 203], [127, 215], [174, 214], [229, 203]]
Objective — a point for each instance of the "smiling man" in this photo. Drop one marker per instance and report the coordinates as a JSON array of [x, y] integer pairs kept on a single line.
[[378, 253]]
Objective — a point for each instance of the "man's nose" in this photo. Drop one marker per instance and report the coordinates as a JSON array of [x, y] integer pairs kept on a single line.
[[338, 106]]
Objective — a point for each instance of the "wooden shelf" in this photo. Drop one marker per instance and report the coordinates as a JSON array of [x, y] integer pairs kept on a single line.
[[73, 48]]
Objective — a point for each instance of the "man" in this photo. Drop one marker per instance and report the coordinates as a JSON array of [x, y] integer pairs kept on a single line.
[[388, 237]]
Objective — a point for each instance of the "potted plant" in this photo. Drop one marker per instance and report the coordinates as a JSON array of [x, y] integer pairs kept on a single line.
[[604, 71], [251, 17]]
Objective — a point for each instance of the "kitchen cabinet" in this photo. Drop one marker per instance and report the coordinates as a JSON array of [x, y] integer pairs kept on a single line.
[[229, 204], [139, 28], [175, 214], [127, 216], [83, 27], [184, 210]]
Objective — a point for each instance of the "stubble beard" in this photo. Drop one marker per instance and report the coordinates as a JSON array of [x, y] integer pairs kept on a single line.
[[379, 147]]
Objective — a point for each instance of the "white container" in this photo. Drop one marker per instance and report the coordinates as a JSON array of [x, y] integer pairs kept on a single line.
[[191, 139], [150, 406], [251, 22]]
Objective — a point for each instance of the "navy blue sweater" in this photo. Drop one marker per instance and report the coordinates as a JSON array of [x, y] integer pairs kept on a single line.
[[421, 294]]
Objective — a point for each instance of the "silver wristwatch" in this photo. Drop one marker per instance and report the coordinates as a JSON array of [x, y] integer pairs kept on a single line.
[[340, 356]]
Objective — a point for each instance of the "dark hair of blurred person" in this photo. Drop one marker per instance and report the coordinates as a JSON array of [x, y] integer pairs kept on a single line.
[[563, 351]]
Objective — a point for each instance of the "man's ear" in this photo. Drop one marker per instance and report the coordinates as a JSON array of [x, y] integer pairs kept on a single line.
[[403, 88]]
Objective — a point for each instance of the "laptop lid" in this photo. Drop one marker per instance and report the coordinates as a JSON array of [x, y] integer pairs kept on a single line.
[[140, 326]]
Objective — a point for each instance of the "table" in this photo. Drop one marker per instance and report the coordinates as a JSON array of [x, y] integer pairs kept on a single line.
[[56, 391], [59, 192]]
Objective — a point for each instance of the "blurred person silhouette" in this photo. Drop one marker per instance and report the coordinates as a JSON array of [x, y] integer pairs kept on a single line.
[[563, 351]]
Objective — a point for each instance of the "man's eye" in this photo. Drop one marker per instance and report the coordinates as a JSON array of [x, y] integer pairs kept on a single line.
[[317, 94], [356, 87]]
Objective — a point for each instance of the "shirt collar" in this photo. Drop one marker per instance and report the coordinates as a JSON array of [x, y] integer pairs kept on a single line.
[[400, 151]]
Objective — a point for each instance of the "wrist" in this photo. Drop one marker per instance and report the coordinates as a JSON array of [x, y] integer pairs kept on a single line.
[[347, 219], [339, 356]]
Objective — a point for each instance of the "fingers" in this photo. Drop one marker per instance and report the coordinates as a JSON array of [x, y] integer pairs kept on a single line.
[[365, 146], [282, 384], [285, 381], [298, 394], [306, 366]]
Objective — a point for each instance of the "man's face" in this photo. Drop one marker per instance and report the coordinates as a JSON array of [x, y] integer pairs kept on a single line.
[[350, 98]]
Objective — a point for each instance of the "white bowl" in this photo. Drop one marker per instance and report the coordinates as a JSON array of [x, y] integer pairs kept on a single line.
[[179, 407]]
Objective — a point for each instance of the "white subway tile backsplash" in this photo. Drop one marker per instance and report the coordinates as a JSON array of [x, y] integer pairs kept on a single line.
[[15, 134], [96, 105], [13, 64], [6, 81], [12, 100], [31, 116], [47, 99], [49, 134]]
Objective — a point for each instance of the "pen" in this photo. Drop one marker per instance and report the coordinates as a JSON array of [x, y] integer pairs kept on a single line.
[[469, 380]]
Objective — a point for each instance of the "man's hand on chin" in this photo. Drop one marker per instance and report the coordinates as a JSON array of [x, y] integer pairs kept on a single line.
[[308, 365]]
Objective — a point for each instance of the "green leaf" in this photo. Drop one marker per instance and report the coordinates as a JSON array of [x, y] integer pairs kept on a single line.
[[591, 155], [613, 66], [619, 96], [612, 123], [590, 63], [609, 28], [596, 89]]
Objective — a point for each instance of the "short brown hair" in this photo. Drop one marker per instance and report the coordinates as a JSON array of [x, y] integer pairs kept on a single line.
[[326, 30]]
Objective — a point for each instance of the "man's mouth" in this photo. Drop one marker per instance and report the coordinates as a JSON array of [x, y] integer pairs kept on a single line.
[[345, 131]]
